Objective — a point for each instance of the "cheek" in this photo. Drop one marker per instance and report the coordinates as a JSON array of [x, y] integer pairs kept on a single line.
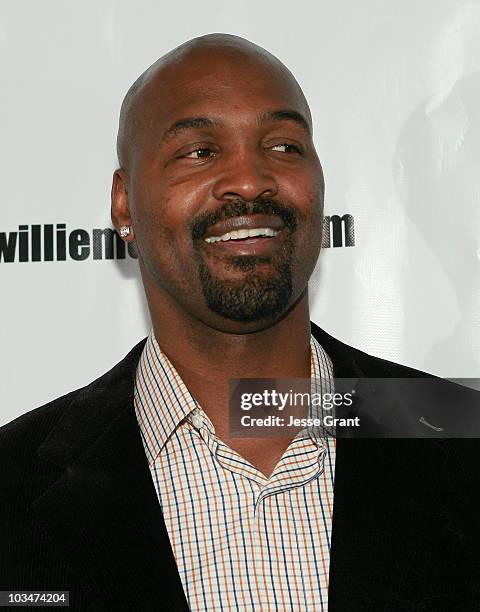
[[163, 236], [304, 189], [315, 222], [309, 234], [153, 234]]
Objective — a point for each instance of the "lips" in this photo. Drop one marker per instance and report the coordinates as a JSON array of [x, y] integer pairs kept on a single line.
[[259, 234], [243, 234], [245, 227]]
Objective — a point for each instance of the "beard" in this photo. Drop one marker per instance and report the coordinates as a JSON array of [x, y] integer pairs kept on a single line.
[[256, 296]]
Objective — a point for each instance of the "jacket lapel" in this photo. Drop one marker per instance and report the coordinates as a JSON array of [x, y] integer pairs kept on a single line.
[[386, 494], [103, 512]]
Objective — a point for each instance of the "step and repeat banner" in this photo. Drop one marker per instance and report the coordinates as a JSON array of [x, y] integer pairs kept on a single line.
[[394, 90]]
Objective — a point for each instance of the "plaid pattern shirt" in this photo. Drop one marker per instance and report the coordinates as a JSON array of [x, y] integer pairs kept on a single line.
[[241, 541]]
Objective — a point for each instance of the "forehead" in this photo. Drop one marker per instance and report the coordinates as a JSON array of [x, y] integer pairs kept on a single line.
[[230, 86]]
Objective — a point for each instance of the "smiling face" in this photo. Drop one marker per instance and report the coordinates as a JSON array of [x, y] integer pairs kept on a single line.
[[222, 186]]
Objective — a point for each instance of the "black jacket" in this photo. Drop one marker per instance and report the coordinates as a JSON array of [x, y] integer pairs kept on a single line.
[[79, 512]]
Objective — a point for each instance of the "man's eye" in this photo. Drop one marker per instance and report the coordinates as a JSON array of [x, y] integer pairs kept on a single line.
[[286, 147], [200, 153]]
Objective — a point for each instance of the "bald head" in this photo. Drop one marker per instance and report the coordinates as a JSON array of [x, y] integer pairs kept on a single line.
[[213, 58]]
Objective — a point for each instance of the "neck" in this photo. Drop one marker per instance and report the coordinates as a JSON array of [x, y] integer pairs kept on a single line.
[[207, 359], [279, 350]]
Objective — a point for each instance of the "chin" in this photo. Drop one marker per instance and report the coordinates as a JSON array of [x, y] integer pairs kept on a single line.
[[229, 325]]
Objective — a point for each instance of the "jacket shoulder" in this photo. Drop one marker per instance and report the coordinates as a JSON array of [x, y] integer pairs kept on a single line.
[[383, 368], [29, 429], [358, 361], [20, 437]]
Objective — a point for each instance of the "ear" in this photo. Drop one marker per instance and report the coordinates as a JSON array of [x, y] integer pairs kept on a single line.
[[120, 207]]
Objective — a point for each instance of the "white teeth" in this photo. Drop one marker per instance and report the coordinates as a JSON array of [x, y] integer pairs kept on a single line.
[[244, 233]]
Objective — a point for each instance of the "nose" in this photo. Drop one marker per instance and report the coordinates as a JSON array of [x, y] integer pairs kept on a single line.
[[245, 177]]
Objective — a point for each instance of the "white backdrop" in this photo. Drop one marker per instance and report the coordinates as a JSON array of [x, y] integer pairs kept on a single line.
[[395, 94]]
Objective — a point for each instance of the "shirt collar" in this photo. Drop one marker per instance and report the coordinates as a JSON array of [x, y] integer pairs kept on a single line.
[[162, 400]]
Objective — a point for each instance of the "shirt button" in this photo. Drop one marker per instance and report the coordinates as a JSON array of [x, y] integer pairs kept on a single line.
[[197, 420]]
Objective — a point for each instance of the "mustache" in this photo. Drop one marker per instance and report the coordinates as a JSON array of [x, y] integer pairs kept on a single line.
[[238, 208]]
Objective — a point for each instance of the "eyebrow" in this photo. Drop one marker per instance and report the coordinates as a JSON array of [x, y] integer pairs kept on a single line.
[[286, 115], [191, 123], [201, 123]]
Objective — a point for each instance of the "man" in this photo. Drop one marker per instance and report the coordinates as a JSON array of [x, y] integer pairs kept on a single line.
[[131, 493]]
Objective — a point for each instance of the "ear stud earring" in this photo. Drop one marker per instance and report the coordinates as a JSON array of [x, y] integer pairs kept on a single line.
[[124, 230]]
